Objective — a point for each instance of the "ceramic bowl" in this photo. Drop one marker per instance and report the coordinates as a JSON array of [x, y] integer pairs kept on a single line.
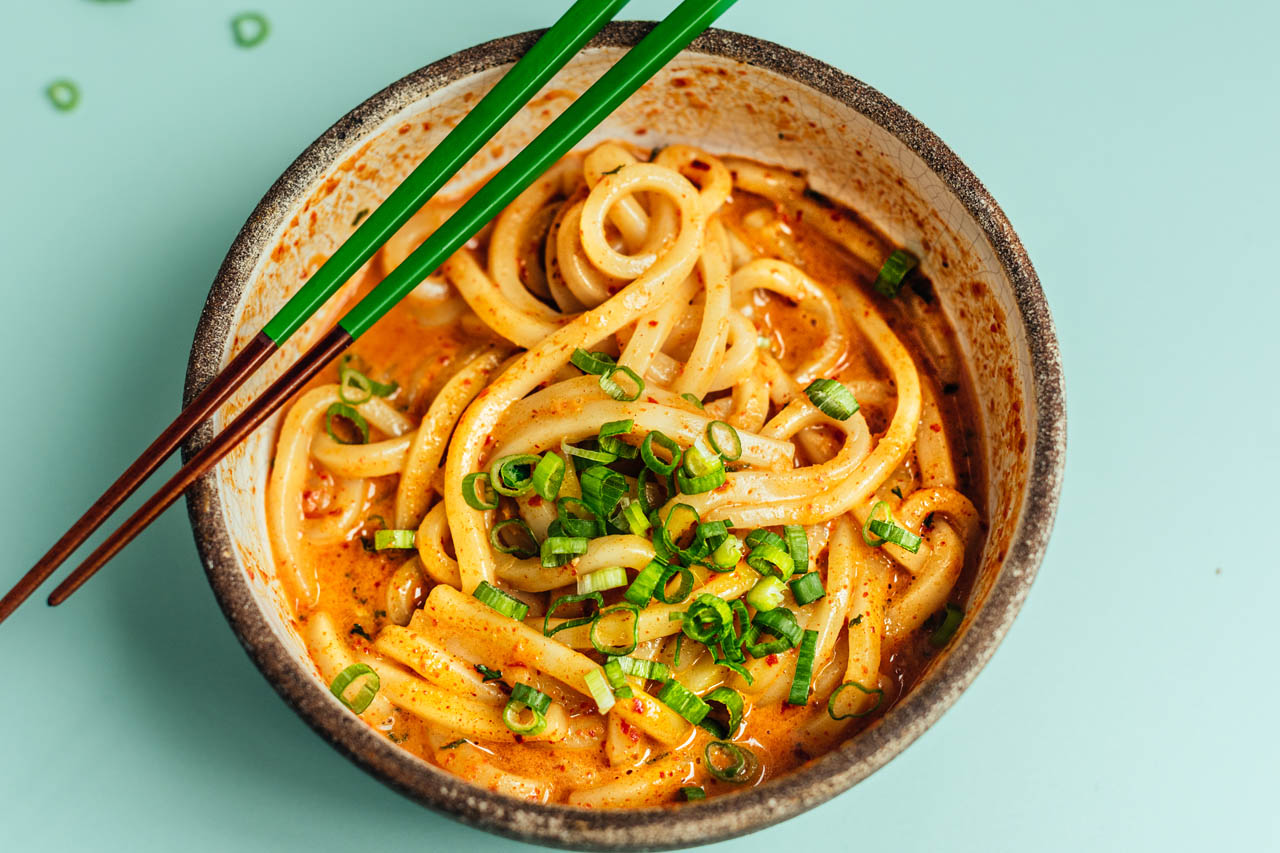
[[728, 93]]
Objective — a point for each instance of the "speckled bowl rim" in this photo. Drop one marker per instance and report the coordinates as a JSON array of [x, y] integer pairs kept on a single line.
[[658, 828]]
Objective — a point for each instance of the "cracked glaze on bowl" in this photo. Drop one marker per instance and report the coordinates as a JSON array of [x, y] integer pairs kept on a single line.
[[727, 93]]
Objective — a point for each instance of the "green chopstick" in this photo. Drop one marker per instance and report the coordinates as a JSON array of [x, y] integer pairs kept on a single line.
[[548, 55], [617, 84]]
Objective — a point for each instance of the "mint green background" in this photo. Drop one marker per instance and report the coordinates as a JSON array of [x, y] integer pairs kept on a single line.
[[1133, 145]]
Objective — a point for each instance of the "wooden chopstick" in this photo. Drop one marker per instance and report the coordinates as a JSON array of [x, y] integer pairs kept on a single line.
[[667, 39], [549, 54]]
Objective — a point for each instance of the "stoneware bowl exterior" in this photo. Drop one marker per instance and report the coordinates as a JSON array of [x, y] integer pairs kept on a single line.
[[727, 93]]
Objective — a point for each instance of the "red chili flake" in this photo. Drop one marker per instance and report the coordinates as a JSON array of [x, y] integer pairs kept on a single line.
[[698, 164], [771, 660], [653, 322], [680, 82], [641, 131], [651, 399], [936, 427], [637, 706], [535, 500]]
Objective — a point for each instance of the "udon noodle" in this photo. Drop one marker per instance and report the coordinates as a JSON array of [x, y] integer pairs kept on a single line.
[[657, 489]]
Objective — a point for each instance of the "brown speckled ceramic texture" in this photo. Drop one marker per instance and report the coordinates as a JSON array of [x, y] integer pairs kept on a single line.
[[728, 93]]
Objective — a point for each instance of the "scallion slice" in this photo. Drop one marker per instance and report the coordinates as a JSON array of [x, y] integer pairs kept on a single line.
[[548, 631], [610, 443], [698, 461], [767, 558], [505, 604], [895, 269], [952, 616], [633, 514], [535, 699], [588, 454], [558, 550], [548, 476], [598, 685], [682, 591], [598, 581], [610, 385], [725, 440], [781, 623], [831, 701], [641, 589], [526, 544], [649, 670], [832, 399], [876, 531], [384, 539], [598, 363], [355, 388], [368, 690], [604, 649], [342, 410], [488, 674], [617, 680], [63, 94], [807, 588], [587, 524], [707, 619], [602, 489], [471, 493], [703, 483], [652, 461], [731, 701], [524, 697], [680, 520], [689, 793], [683, 701], [742, 761], [799, 694], [727, 554], [797, 546], [767, 594], [513, 475], [693, 399]]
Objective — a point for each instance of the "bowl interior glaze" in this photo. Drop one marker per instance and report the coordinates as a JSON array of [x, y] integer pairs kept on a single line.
[[729, 94]]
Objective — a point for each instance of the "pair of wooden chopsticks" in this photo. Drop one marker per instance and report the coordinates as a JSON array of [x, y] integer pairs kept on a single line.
[[551, 52]]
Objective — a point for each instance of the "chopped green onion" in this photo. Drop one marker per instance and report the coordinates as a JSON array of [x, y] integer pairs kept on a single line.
[[781, 623], [521, 549], [558, 550], [598, 685], [741, 766], [952, 616], [675, 658], [797, 546], [524, 697], [611, 387], [728, 553], [641, 589], [698, 462], [804, 669], [807, 588], [384, 539], [707, 618], [602, 489], [876, 532], [649, 670], [682, 591], [471, 494], [342, 410], [698, 485], [767, 594], [548, 631], [895, 269], [731, 701], [679, 522], [633, 515], [651, 494], [489, 674], [249, 29], [635, 630], [610, 443], [610, 578], [617, 680], [598, 363], [548, 476], [693, 399], [832, 398], [350, 379], [831, 701], [577, 525], [765, 537], [725, 440], [767, 558], [683, 701], [63, 94], [691, 793], [505, 604], [588, 454], [368, 690], [513, 475], [535, 699], [651, 461], [887, 531]]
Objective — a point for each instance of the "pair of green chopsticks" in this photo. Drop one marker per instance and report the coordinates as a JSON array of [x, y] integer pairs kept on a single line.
[[551, 52]]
